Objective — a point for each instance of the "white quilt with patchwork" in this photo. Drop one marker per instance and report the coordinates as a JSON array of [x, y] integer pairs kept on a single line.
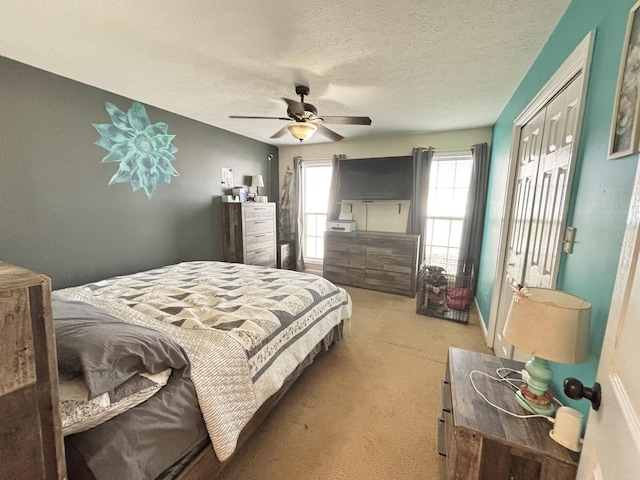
[[245, 328]]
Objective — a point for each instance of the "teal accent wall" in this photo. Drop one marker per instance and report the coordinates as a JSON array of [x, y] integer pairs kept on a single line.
[[601, 189], [58, 214]]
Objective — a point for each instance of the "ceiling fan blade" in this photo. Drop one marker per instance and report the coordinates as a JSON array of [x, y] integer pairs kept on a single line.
[[330, 134], [263, 118], [296, 108], [280, 132], [347, 120]]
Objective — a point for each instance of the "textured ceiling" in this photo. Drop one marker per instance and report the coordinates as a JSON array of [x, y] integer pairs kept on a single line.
[[411, 65]]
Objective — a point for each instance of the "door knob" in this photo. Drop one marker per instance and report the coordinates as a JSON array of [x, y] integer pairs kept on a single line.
[[574, 388]]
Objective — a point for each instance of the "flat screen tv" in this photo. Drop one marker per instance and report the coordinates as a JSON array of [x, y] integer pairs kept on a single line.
[[386, 178]]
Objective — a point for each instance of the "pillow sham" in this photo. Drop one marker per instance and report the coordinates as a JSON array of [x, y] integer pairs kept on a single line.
[[79, 413], [108, 351]]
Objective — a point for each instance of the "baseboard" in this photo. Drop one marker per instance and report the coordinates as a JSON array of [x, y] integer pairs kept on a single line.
[[485, 332]]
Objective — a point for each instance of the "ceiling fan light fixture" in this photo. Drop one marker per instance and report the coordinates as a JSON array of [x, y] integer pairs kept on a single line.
[[301, 130]]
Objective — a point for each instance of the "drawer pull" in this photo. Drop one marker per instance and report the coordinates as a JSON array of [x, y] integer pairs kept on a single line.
[[446, 396], [441, 448]]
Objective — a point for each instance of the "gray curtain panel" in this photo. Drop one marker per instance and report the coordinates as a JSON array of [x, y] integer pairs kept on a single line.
[[333, 207], [474, 216], [422, 158]]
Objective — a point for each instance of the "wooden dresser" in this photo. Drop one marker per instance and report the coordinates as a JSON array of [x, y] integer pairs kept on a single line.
[[31, 445], [479, 442], [374, 260], [249, 233]]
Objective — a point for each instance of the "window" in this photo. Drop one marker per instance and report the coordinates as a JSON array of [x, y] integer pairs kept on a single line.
[[316, 181], [449, 181]]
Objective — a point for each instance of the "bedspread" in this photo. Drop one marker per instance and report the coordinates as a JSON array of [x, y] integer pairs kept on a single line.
[[245, 328]]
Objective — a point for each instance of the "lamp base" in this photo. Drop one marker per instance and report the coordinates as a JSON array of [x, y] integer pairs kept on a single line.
[[540, 405]]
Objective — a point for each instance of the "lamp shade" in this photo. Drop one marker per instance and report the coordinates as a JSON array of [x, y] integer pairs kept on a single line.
[[301, 130], [550, 324], [257, 181]]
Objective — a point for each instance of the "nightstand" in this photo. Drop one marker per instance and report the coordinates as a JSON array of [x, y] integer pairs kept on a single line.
[[477, 441], [286, 255]]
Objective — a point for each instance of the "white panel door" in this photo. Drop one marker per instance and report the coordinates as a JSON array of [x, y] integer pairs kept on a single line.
[[612, 441], [520, 223], [538, 216], [552, 188]]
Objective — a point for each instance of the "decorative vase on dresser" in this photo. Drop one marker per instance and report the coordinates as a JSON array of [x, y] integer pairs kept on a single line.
[[249, 233]]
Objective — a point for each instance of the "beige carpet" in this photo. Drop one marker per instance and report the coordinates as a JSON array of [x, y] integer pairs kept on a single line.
[[368, 408]]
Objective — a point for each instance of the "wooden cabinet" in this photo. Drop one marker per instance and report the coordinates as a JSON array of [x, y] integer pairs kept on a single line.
[[249, 233], [31, 445], [374, 260], [479, 442]]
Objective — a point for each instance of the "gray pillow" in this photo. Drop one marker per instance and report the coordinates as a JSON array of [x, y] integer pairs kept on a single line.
[[108, 351]]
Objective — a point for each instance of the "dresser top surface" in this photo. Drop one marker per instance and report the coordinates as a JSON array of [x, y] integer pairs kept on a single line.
[[12, 276], [366, 233]]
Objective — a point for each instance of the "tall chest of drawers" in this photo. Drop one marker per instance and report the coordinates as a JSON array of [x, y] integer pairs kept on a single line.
[[249, 233]]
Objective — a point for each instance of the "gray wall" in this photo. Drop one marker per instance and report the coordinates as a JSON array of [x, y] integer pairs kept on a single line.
[[59, 217]]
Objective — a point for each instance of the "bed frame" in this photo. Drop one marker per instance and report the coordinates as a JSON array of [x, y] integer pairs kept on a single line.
[[29, 424]]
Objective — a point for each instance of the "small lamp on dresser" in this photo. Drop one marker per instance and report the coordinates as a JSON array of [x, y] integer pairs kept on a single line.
[[257, 181], [552, 326]]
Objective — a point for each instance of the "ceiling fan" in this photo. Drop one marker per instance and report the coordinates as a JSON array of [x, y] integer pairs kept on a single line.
[[304, 120]]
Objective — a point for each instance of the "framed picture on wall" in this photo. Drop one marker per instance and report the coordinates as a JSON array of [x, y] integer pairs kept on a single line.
[[624, 126]]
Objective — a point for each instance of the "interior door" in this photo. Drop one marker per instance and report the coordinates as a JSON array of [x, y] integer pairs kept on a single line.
[[552, 188], [520, 223], [543, 184], [612, 442]]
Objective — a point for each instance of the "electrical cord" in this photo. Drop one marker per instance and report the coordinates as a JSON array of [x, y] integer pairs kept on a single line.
[[519, 372], [504, 379]]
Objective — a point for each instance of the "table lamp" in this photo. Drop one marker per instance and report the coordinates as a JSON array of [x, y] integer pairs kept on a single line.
[[257, 181], [552, 326]]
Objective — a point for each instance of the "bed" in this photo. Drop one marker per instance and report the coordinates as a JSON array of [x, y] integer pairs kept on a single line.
[[164, 373]]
